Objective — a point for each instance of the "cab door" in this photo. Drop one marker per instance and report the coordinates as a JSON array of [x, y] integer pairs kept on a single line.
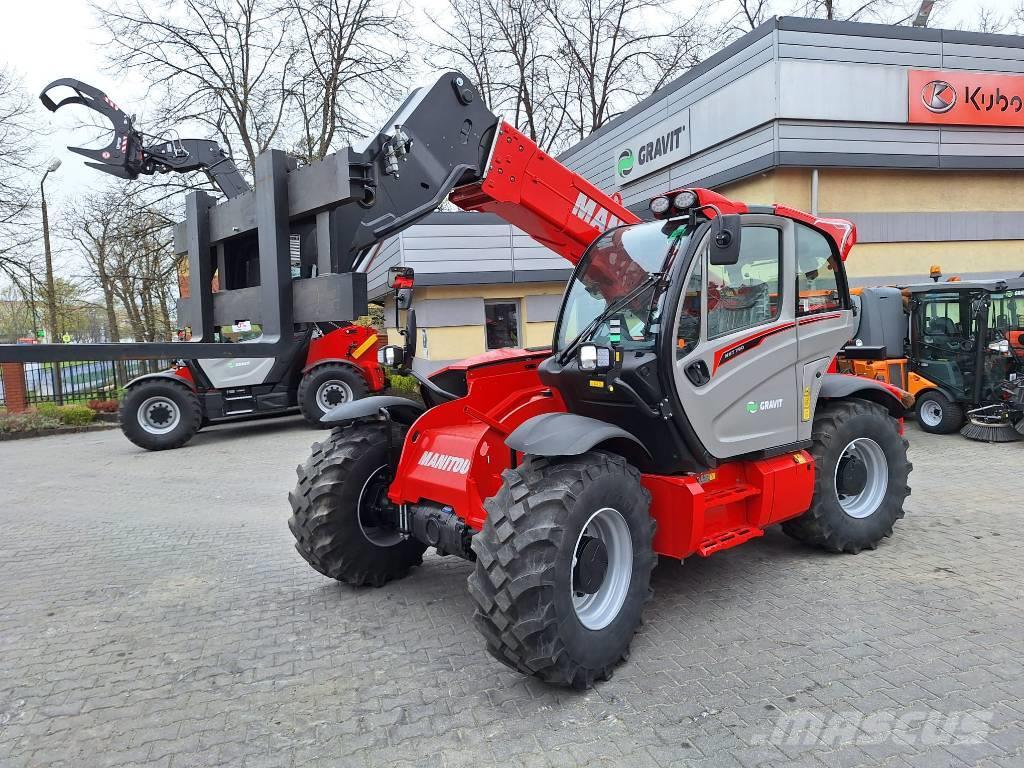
[[736, 343]]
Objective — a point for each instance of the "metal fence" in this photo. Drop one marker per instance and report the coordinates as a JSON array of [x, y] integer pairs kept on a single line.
[[81, 381]]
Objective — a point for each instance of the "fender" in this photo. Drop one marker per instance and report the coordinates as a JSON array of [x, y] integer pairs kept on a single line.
[[333, 361], [162, 375], [566, 434], [400, 409], [840, 386]]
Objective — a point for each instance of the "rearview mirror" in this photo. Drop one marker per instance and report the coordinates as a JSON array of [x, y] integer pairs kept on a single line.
[[401, 278], [391, 356], [725, 239]]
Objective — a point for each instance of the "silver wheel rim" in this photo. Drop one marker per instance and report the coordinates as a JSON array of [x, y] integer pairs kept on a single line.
[[598, 610], [864, 504], [333, 393], [159, 415], [931, 413], [382, 537]]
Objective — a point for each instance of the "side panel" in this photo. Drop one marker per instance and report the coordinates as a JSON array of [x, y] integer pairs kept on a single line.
[[355, 343], [236, 372]]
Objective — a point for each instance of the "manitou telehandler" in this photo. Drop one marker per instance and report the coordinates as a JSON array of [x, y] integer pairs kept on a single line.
[[326, 363], [684, 406]]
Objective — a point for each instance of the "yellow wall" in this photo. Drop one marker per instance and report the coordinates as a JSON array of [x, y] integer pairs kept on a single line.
[[791, 186], [884, 259], [460, 341], [851, 190]]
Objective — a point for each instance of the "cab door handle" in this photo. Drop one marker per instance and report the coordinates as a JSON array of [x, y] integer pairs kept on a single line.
[[697, 373]]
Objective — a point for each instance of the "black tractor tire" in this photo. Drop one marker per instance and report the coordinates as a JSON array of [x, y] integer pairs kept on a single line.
[[163, 399], [827, 524], [950, 414], [326, 520], [525, 580], [347, 379]]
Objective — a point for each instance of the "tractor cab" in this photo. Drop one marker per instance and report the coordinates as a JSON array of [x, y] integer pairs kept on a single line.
[[705, 332]]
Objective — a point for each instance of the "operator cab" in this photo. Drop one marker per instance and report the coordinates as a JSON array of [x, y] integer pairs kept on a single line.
[[704, 333]]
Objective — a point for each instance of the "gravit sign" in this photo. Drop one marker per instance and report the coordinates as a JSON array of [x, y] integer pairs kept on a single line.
[[965, 98], [659, 146]]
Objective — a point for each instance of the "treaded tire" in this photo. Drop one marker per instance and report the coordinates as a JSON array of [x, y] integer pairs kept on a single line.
[[191, 415], [522, 582], [952, 413], [316, 378], [826, 524], [325, 516]]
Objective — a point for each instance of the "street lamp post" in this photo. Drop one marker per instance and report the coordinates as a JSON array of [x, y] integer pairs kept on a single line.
[[51, 298]]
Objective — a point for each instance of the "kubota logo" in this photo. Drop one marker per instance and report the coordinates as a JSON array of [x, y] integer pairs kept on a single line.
[[625, 165], [589, 212], [444, 462], [938, 96]]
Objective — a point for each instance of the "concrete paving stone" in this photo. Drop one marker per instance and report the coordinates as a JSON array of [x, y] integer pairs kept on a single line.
[[191, 632]]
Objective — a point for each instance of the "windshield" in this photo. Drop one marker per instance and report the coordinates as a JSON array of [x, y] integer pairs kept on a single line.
[[614, 265]]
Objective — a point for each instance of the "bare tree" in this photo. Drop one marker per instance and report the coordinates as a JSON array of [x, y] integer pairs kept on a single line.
[[222, 64], [345, 57], [17, 196], [613, 55]]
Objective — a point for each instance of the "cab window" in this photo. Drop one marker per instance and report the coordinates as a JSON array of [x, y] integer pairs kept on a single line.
[[688, 330], [746, 293], [817, 282]]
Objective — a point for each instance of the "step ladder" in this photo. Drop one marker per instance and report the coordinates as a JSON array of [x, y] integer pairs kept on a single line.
[[239, 401]]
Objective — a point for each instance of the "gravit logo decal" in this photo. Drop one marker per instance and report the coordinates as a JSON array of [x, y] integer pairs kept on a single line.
[[764, 405], [444, 462], [625, 166], [589, 212], [938, 96]]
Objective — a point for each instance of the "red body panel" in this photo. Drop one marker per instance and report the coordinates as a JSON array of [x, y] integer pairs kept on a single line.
[[183, 373], [454, 453], [356, 344]]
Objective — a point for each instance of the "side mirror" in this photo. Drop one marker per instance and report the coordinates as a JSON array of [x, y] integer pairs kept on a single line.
[[403, 298], [391, 356], [595, 358], [401, 278], [725, 239]]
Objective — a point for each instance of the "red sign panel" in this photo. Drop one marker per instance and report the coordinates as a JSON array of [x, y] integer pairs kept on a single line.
[[965, 98]]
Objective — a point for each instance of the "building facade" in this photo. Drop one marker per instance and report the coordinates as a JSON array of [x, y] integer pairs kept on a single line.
[[916, 135]]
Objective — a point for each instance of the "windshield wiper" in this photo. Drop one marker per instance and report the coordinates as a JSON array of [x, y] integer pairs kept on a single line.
[[612, 308]]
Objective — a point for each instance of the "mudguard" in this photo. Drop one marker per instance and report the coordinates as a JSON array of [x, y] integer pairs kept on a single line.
[[400, 409], [565, 434], [161, 375], [839, 386]]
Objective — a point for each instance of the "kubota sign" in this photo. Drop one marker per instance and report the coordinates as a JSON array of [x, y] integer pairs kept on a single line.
[[965, 98]]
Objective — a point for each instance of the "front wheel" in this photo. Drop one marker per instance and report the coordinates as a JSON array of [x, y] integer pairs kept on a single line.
[[860, 481], [564, 567], [160, 414], [339, 519], [937, 414]]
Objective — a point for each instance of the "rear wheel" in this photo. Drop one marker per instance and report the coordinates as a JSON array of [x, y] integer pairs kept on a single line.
[[860, 482], [338, 517], [327, 386], [160, 414], [938, 414], [563, 567]]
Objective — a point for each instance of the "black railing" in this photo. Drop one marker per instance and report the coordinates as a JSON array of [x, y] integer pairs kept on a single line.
[[82, 381]]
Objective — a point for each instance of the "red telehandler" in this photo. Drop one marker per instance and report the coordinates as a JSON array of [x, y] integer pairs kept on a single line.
[[684, 406]]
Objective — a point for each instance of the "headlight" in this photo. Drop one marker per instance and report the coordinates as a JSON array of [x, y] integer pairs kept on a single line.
[[685, 200], [390, 356], [588, 357], [660, 205]]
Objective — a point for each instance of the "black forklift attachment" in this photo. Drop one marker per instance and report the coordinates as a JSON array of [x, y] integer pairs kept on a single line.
[[284, 252]]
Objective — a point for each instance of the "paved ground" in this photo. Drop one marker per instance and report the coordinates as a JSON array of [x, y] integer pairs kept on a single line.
[[152, 611]]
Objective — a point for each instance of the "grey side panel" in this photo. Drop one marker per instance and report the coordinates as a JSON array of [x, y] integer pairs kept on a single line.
[[563, 434], [440, 313], [237, 372], [932, 227], [400, 409], [838, 386]]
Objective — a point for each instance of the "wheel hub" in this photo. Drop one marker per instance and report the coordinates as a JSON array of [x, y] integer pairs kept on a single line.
[[160, 414], [374, 511], [852, 477], [333, 393], [591, 566]]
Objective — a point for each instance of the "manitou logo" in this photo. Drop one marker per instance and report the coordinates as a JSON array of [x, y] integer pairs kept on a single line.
[[589, 212], [444, 462]]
